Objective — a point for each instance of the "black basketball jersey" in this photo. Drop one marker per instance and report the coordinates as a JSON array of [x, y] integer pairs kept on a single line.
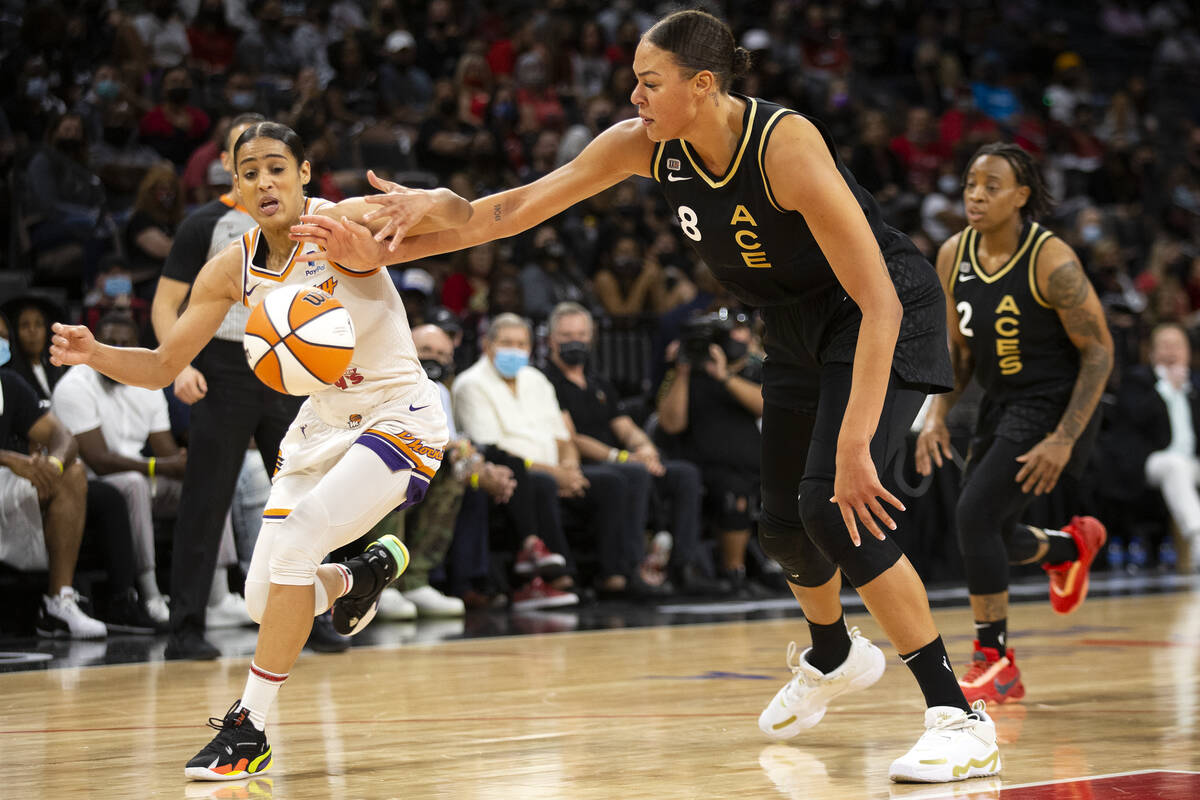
[[1015, 336], [764, 254], [768, 258]]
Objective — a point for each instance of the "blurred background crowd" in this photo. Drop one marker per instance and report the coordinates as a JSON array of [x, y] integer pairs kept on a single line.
[[114, 115]]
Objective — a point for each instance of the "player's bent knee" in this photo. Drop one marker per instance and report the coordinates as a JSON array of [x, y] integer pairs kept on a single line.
[[794, 552], [825, 526]]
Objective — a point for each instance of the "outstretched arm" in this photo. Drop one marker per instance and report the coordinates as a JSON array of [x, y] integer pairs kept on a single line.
[[217, 287], [1064, 284], [614, 155]]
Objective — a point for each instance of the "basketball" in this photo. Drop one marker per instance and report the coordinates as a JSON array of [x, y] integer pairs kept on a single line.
[[299, 340]]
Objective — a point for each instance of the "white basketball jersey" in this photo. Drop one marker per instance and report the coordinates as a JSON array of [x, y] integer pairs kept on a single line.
[[385, 367]]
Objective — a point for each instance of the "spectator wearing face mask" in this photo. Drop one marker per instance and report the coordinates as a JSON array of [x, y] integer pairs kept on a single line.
[[550, 276], [942, 209], [174, 127], [64, 200], [113, 291]]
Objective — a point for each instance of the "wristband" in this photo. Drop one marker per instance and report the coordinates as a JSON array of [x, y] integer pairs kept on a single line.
[[474, 480], [150, 467], [622, 456], [56, 461], [613, 453]]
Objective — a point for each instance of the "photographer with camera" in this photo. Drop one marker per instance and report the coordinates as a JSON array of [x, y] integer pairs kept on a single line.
[[712, 401]]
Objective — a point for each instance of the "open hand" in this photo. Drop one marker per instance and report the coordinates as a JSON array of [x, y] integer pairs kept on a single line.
[[401, 207], [857, 492], [1042, 465], [932, 445], [343, 241]]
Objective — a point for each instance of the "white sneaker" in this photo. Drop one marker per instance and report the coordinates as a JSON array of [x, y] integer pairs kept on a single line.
[[394, 606], [432, 603], [158, 609], [802, 701], [955, 746], [61, 616], [230, 612]]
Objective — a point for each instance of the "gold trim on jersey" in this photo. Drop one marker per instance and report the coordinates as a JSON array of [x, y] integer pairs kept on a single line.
[[983, 276], [958, 258], [1033, 257], [737, 160], [762, 148], [250, 241], [352, 272], [658, 151]]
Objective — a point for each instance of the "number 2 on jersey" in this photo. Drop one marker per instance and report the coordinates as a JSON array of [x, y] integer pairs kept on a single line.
[[964, 318]]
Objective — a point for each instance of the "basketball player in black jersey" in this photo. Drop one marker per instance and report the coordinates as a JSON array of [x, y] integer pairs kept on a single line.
[[1026, 323], [855, 339]]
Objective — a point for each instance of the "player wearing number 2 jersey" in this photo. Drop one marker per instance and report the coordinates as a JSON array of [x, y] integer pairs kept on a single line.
[[855, 339], [1026, 323]]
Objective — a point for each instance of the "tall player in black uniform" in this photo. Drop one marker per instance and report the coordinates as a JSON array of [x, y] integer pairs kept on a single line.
[[855, 339], [1025, 321], [229, 405]]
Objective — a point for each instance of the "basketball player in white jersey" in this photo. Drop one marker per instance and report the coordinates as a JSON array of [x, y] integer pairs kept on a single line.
[[356, 450]]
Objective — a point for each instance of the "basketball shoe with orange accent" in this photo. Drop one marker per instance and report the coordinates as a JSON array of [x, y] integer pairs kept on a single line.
[[239, 750], [991, 677], [373, 569], [1069, 580]]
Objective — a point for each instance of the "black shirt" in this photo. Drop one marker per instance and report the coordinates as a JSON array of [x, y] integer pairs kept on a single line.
[[592, 408], [720, 430], [19, 410], [202, 234]]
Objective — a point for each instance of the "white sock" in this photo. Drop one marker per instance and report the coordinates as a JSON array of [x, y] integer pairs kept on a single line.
[[261, 688], [347, 576]]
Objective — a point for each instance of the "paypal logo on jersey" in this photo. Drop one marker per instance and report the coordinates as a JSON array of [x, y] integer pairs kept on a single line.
[[316, 270]]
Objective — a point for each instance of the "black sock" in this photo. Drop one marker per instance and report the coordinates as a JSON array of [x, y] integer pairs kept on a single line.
[[365, 579], [993, 634], [830, 645], [931, 667], [1029, 545]]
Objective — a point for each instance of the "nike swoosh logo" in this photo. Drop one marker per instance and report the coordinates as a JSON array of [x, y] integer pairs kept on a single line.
[[250, 291], [966, 277], [411, 407], [1003, 688], [672, 177]]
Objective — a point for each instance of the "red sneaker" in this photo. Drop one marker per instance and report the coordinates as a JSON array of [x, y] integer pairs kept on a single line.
[[992, 678], [536, 558], [539, 594], [1069, 580]]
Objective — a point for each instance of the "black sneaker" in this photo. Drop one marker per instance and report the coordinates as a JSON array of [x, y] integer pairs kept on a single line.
[[324, 639], [239, 750], [373, 569], [126, 615], [190, 645]]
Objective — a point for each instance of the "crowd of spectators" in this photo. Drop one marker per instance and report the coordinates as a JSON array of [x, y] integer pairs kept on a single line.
[[114, 116]]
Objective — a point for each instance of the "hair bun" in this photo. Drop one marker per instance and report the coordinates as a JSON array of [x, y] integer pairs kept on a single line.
[[741, 61]]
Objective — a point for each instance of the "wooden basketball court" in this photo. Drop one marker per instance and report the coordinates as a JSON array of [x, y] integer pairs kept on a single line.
[[658, 713]]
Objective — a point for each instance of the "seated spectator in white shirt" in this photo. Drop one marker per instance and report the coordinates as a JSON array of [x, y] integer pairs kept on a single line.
[[113, 423], [42, 499], [503, 402], [1155, 426]]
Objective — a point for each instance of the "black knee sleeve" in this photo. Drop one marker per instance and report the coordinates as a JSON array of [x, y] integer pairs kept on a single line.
[[790, 547], [823, 522], [981, 540]]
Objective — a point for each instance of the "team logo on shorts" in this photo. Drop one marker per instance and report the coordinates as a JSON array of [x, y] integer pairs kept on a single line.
[[354, 421], [673, 164]]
